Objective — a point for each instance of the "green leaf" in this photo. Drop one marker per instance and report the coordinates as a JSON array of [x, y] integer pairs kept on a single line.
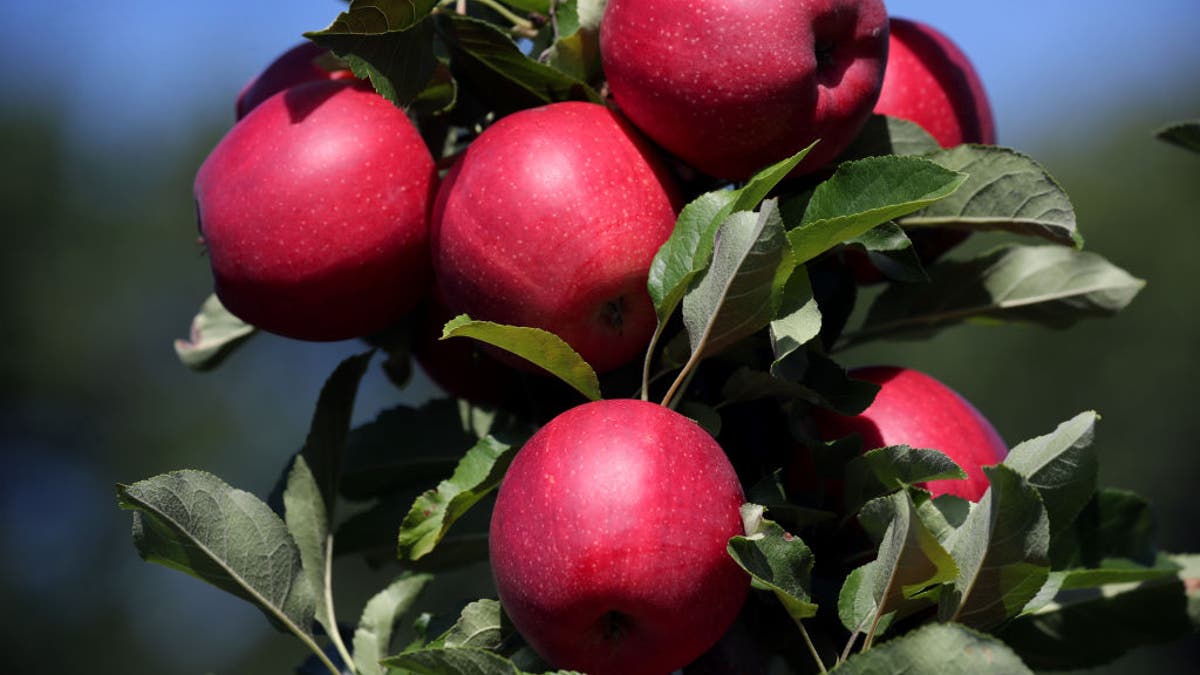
[[824, 382], [864, 194], [944, 649], [374, 633], [196, 523], [1048, 285], [1005, 191], [480, 625], [883, 135], [1062, 467], [911, 561], [433, 438], [943, 515], [458, 660], [891, 252], [741, 289], [1001, 550], [488, 63], [798, 319], [688, 250], [390, 43], [539, 6], [857, 606], [1090, 626], [883, 470], [541, 348], [1114, 524], [571, 40], [307, 520], [776, 561], [1183, 134], [326, 442], [478, 473], [215, 333]]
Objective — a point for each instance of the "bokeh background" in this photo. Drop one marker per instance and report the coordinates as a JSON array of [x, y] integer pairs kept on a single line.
[[106, 110]]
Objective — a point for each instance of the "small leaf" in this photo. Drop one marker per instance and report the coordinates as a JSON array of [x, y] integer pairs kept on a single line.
[[374, 633], [891, 252], [739, 292], [1001, 550], [943, 515], [911, 562], [194, 522], [541, 348], [827, 384], [864, 194], [480, 625], [1183, 134], [440, 661], [478, 473], [1062, 467], [1048, 285], [1006, 191], [883, 470], [776, 561], [798, 319], [857, 606], [326, 441], [1114, 524], [688, 250], [945, 649], [883, 135], [491, 66], [389, 43], [307, 520], [215, 333]]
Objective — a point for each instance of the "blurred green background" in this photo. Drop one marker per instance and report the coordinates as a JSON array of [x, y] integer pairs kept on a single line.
[[100, 136]]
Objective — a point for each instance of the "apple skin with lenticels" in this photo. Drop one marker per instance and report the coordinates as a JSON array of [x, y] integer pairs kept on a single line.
[[917, 410], [608, 540], [730, 86], [314, 210], [551, 219]]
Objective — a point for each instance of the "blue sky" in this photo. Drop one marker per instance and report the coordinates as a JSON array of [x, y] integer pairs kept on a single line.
[[146, 69]]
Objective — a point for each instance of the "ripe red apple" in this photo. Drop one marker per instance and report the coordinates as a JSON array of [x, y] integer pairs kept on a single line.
[[550, 219], [295, 66], [930, 81], [608, 540], [730, 86], [314, 212], [914, 409]]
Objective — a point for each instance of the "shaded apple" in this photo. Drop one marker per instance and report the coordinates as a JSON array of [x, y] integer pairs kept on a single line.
[[551, 219], [731, 86], [608, 540], [314, 213], [917, 410], [297, 65]]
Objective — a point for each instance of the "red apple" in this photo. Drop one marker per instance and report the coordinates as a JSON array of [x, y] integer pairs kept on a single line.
[[608, 540], [930, 81], [295, 66], [914, 409], [731, 86], [550, 219], [314, 212]]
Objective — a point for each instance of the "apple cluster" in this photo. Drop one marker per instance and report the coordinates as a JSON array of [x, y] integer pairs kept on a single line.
[[325, 216]]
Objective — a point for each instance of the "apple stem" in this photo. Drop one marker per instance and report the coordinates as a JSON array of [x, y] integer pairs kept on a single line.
[[680, 384], [650, 357]]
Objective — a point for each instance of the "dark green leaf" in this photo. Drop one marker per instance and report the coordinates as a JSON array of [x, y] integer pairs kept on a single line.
[[390, 43], [891, 252], [941, 649], [404, 447], [481, 625], [215, 333], [1062, 466], [883, 470], [1184, 134], [492, 66], [864, 194], [194, 522], [741, 290], [478, 473], [374, 633], [943, 515], [1114, 524], [883, 135], [1048, 285], [541, 348], [458, 660], [688, 250], [1001, 550], [777, 561], [827, 384], [307, 520], [1005, 190], [326, 441]]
